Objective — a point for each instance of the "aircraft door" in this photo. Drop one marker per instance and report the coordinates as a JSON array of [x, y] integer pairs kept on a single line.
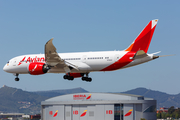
[[116, 57], [14, 62], [68, 112], [84, 58]]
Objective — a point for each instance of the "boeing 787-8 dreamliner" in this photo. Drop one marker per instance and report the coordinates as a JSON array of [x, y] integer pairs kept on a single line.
[[80, 64]]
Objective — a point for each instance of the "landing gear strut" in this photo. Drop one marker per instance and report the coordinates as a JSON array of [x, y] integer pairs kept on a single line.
[[16, 79], [68, 77], [87, 79]]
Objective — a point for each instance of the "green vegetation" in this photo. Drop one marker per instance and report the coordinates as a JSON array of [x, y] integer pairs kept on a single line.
[[163, 99], [18, 101], [172, 113], [13, 100]]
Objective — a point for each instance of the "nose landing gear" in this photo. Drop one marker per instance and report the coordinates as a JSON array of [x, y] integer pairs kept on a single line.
[[16, 79]]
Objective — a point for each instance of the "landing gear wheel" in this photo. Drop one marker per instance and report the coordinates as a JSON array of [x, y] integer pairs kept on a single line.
[[87, 79], [84, 78], [68, 77], [65, 77], [17, 79]]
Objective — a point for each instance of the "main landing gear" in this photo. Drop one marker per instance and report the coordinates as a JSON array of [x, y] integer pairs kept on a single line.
[[16, 79], [87, 79], [68, 77]]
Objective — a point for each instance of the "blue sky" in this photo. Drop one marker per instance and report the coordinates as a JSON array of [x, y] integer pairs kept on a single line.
[[82, 25]]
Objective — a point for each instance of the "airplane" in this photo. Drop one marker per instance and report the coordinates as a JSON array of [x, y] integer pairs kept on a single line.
[[80, 64]]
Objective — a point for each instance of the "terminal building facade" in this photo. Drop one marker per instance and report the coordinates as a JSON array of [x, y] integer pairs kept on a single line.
[[98, 106]]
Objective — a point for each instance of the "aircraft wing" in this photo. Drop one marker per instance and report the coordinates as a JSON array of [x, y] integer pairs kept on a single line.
[[54, 60]]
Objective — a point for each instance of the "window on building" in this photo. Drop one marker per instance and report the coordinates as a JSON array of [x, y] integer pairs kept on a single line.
[[150, 109], [121, 112], [118, 112], [91, 113]]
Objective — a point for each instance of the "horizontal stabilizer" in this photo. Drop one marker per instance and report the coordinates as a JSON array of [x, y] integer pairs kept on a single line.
[[154, 57], [165, 55], [156, 53], [140, 54]]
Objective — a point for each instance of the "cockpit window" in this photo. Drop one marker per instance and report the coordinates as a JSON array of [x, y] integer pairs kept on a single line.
[[8, 62]]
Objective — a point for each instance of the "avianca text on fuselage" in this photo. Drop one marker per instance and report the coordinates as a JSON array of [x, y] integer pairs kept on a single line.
[[80, 64], [30, 60]]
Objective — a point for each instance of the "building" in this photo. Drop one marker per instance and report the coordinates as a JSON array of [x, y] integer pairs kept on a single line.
[[38, 116], [11, 115], [162, 109], [98, 106], [26, 116]]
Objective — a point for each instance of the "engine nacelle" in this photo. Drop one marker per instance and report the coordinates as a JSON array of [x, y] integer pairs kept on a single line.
[[37, 68]]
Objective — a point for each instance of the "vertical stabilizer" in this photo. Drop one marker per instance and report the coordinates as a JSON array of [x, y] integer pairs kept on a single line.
[[143, 40]]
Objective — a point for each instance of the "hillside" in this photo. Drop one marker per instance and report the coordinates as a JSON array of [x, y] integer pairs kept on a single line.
[[163, 99], [13, 100], [17, 100], [53, 93]]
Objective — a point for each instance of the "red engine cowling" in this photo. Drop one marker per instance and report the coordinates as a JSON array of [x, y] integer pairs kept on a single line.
[[37, 68]]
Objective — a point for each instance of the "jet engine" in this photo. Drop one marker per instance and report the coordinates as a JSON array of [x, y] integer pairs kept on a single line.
[[37, 68]]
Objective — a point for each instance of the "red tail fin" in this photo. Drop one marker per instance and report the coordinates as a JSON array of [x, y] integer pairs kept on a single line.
[[143, 40]]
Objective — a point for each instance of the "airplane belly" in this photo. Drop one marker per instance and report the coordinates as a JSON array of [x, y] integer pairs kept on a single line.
[[99, 65], [21, 69], [83, 67]]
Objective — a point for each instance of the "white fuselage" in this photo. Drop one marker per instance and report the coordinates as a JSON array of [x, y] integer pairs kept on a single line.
[[85, 61], [80, 64]]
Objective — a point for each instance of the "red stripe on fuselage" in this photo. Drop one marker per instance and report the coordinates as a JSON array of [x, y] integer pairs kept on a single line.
[[121, 62]]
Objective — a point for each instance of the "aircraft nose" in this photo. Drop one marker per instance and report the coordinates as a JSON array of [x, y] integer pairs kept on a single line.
[[5, 68]]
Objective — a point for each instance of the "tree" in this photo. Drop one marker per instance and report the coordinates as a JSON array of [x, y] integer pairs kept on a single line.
[[158, 115], [171, 110], [177, 116], [163, 114], [167, 115]]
